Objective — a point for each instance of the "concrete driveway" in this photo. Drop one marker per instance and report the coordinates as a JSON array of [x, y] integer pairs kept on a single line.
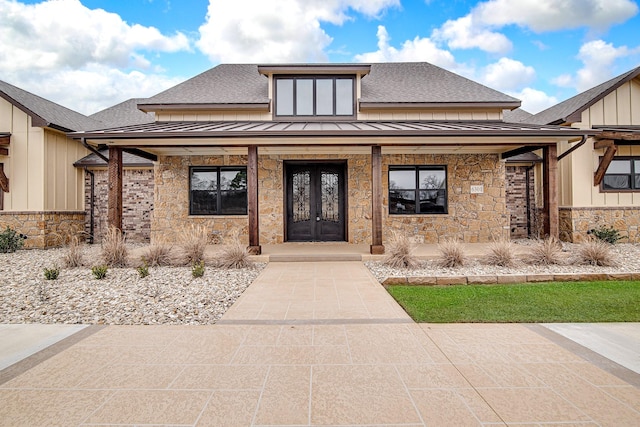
[[319, 344]]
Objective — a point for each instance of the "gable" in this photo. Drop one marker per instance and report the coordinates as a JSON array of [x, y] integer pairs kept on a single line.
[[621, 107]]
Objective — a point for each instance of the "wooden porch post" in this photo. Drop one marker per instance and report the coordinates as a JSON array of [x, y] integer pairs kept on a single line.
[[550, 191], [114, 203], [376, 200], [254, 219]]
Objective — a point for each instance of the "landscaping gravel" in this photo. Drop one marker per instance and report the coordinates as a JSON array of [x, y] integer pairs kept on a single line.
[[169, 295], [626, 255]]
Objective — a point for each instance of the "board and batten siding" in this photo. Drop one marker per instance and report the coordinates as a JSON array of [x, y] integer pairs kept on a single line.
[[619, 108], [39, 166]]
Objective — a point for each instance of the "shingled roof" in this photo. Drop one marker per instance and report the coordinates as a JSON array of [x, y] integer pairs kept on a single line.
[[224, 84], [516, 116], [424, 83], [386, 83], [124, 114], [46, 113], [570, 111], [128, 159]]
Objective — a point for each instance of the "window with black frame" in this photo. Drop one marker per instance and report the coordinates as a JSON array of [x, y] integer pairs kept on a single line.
[[304, 96], [622, 174], [417, 190], [218, 191]]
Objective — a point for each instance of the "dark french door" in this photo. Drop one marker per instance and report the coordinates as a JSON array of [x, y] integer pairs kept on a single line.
[[315, 202]]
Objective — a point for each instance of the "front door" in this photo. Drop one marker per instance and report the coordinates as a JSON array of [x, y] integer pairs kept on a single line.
[[315, 202]]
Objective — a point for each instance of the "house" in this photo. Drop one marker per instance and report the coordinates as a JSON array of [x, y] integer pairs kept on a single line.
[[600, 180], [41, 193], [137, 179], [331, 152]]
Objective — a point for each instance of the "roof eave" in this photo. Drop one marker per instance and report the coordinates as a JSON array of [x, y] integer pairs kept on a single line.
[[359, 69], [432, 105], [257, 106]]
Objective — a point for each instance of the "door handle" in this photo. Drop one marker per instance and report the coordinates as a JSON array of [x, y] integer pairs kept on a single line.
[[317, 219]]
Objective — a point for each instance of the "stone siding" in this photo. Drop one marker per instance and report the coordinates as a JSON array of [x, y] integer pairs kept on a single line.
[[44, 229], [471, 217], [171, 201], [137, 204], [576, 222], [517, 200]]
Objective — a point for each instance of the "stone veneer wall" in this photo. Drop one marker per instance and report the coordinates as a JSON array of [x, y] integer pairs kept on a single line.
[[137, 204], [576, 222], [471, 217], [43, 229], [171, 201], [516, 193]]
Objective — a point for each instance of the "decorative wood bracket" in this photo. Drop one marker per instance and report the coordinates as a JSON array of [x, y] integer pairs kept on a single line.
[[603, 143], [4, 181], [4, 144], [598, 176]]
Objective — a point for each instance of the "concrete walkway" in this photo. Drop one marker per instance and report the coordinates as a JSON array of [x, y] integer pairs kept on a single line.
[[319, 344]]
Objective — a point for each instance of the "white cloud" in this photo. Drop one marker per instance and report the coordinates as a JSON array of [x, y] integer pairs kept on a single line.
[[462, 33], [552, 15], [507, 74], [64, 33], [95, 87], [534, 100], [276, 30], [478, 28], [598, 58], [49, 47], [418, 49]]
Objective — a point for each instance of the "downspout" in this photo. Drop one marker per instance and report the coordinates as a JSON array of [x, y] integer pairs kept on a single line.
[[574, 148], [93, 150], [92, 203]]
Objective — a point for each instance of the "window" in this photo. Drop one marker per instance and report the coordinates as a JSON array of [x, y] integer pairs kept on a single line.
[[329, 96], [622, 174], [218, 191], [417, 189]]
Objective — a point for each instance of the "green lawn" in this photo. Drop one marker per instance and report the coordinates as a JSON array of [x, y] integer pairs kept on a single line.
[[609, 301]]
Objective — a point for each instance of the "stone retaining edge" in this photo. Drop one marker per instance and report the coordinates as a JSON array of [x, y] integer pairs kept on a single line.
[[492, 279]]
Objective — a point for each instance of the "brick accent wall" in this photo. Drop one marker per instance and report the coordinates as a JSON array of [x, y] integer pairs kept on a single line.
[[137, 204], [471, 217], [43, 229], [516, 193], [575, 222]]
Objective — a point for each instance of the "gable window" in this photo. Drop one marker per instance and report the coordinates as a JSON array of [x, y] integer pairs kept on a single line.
[[417, 190], [217, 190], [622, 174], [330, 96]]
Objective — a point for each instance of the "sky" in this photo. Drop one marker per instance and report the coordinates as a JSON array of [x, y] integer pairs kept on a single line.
[[91, 54]]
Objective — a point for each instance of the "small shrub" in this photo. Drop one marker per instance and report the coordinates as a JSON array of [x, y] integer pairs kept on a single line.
[[501, 253], [42, 293], [114, 249], [73, 256], [193, 241], [234, 256], [451, 254], [197, 270], [143, 270], [10, 240], [99, 271], [400, 252], [51, 273], [546, 252], [595, 252], [158, 255], [606, 233]]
